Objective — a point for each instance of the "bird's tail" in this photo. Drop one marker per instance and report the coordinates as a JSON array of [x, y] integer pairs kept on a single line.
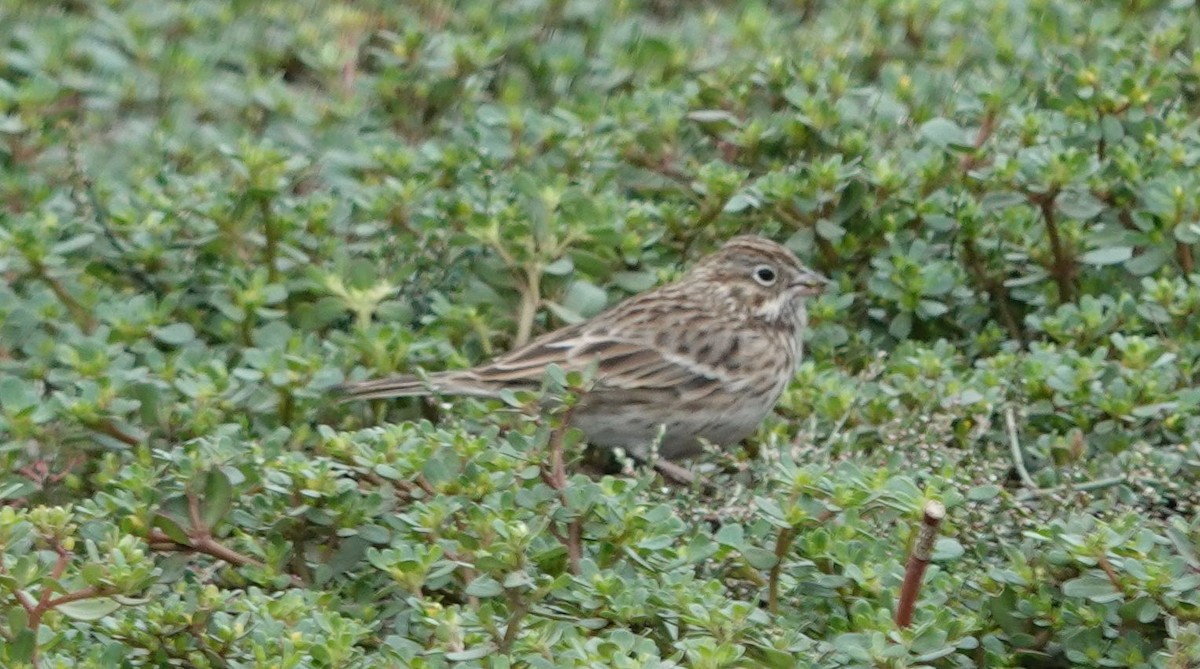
[[408, 385], [405, 385]]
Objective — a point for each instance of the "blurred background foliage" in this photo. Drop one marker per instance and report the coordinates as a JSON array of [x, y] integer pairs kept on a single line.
[[211, 212]]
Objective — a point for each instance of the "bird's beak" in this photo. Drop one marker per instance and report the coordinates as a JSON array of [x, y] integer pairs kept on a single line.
[[810, 283]]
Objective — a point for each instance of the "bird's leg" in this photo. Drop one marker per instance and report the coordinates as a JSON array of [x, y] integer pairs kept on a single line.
[[673, 472]]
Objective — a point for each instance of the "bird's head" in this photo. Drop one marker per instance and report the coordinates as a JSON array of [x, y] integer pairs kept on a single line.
[[758, 276]]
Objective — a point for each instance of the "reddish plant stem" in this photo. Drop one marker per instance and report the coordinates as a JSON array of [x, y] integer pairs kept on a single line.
[[107, 427], [575, 544], [1183, 253], [23, 599], [518, 608], [918, 560], [159, 541], [1111, 573], [46, 600], [86, 593], [43, 605], [556, 477], [986, 127], [994, 287], [783, 544], [424, 484], [200, 539], [1063, 267], [82, 317]]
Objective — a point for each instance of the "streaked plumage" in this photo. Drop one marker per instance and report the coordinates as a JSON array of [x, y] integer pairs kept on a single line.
[[706, 356]]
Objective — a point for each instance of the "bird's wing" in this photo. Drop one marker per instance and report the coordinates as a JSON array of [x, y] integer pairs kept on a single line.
[[655, 348]]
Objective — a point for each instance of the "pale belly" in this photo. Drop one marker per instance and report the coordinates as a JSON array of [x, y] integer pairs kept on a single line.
[[635, 429]]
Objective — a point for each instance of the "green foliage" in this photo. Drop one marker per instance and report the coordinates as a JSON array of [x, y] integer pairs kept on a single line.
[[211, 213]]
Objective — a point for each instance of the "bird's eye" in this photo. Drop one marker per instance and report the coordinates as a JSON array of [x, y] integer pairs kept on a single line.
[[764, 275]]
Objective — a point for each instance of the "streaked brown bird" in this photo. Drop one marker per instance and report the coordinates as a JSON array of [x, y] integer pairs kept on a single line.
[[705, 357]]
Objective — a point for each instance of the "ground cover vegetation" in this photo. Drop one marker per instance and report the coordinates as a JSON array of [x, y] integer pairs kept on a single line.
[[211, 212]]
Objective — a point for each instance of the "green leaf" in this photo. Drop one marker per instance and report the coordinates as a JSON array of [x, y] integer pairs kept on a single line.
[[88, 609], [361, 274], [375, 534], [17, 619], [1112, 129], [935, 654], [172, 529], [585, 299], [731, 535], [928, 309], [947, 548], [713, 116], [217, 499], [1189, 583], [759, 558], [827, 229], [74, 244], [982, 493], [944, 133], [1079, 204], [11, 124], [1143, 609], [175, 334], [476, 653], [796, 95], [740, 202], [855, 645], [560, 267], [388, 471], [901, 325], [1148, 261], [635, 282], [16, 394], [1095, 587], [484, 586], [1177, 533], [1107, 256], [556, 375], [517, 579], [173, 517], [23, 646], [1188, 233]]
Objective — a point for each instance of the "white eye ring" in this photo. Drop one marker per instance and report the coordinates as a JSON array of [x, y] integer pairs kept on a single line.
[[764, 274]]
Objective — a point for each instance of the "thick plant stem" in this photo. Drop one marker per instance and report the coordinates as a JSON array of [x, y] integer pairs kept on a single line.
[[531, 298], [918, 560], [46, 600], [271, 237], [1063, 267], [1183, 254], [554, 473], [970, 160], [782, 544], [994, 288], [82, 317]]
